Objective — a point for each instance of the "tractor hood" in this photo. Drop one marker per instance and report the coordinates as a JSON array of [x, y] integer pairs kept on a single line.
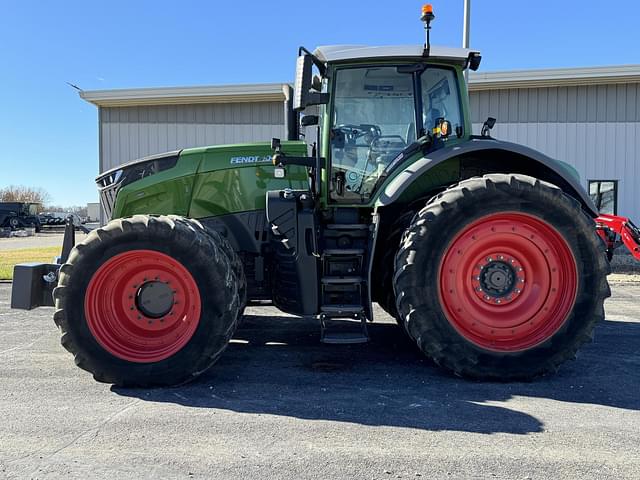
[[197, 182]]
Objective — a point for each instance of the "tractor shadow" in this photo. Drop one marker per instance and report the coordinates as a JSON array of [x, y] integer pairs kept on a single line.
[[275, 365]]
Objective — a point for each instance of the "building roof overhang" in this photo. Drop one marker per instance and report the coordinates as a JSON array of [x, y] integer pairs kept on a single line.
[[272, 92], [256, 92]]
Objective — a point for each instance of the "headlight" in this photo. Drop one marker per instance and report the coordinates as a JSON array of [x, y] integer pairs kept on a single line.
[[137, 170]]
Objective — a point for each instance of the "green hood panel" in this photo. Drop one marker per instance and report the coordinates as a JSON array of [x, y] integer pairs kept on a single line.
[[235, 178], [211, 181]]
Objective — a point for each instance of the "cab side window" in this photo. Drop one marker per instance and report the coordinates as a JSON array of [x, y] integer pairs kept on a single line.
[[440, 98]]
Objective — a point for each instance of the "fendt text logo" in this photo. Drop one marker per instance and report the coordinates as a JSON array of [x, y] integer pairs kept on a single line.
[[250, 159]]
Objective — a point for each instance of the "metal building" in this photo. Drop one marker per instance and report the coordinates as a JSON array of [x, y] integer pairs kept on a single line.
[[588, 117], [138, 122]]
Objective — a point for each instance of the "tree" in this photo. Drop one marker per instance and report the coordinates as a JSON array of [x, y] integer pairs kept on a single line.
[[20, 193]]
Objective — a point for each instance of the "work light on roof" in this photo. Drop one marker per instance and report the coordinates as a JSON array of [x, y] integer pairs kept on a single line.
[[427, 12], [427, 17]]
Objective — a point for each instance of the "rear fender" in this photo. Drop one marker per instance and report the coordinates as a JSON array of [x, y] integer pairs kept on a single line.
[[487, 155]]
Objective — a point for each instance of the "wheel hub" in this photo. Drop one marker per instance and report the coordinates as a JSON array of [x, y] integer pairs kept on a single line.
[[154, 299], [498, 279]]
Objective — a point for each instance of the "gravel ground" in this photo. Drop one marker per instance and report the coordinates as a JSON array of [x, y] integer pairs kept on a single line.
[[280, 405]]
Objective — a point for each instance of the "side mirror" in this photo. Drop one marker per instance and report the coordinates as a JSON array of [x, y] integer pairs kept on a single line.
[[309, 120], [304, 64], [302, 94], [474, 61], [487, 126], [445, 128]]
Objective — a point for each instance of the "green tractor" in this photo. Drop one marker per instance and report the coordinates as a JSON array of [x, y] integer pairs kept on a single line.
[[487, 253]]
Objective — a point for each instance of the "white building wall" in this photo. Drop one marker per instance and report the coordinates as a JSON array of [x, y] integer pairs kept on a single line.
[[594, 128], [128, 133]]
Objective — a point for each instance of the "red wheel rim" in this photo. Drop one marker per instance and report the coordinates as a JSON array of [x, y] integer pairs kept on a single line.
[[508, 282], [119, 320]]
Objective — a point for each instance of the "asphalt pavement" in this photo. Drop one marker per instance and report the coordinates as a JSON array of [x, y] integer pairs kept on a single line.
[[39, 240], [280, 405]]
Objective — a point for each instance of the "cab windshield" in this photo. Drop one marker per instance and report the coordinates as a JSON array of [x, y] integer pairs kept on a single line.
[[374, 119]]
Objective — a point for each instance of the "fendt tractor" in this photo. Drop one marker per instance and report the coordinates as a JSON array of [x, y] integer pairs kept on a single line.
[[490, 256]]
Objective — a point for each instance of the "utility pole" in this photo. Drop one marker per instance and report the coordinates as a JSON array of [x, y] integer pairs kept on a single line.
[[466, 31]]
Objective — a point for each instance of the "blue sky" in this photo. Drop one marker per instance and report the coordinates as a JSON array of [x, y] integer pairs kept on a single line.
[[48, 135]]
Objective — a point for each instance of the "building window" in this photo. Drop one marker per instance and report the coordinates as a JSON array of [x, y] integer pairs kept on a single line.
[[604, 194]]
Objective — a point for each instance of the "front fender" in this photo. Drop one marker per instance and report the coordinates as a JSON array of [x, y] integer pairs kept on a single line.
[[568, 178]]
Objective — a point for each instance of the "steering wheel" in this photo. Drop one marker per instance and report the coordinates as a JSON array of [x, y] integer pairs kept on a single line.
[[354, 132]]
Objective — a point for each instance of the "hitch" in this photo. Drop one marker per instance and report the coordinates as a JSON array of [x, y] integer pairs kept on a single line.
[[68, 241], [33, 283], [616, 231]]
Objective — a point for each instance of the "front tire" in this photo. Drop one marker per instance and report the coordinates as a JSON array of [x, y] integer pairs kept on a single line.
[[501, 277], [147, 301]]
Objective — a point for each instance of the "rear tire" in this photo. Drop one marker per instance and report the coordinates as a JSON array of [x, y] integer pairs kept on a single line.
[[147, 301], [501, 277]]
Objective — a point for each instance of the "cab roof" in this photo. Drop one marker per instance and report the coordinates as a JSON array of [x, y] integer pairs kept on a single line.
[[343, 53]]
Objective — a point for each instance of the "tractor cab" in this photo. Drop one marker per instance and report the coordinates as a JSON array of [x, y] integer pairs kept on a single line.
[[376, 102]]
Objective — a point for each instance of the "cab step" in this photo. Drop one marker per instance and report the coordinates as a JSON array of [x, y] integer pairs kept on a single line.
[[343, 332], [347, 226], [340, 309], [343, 251], [342, 280]]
